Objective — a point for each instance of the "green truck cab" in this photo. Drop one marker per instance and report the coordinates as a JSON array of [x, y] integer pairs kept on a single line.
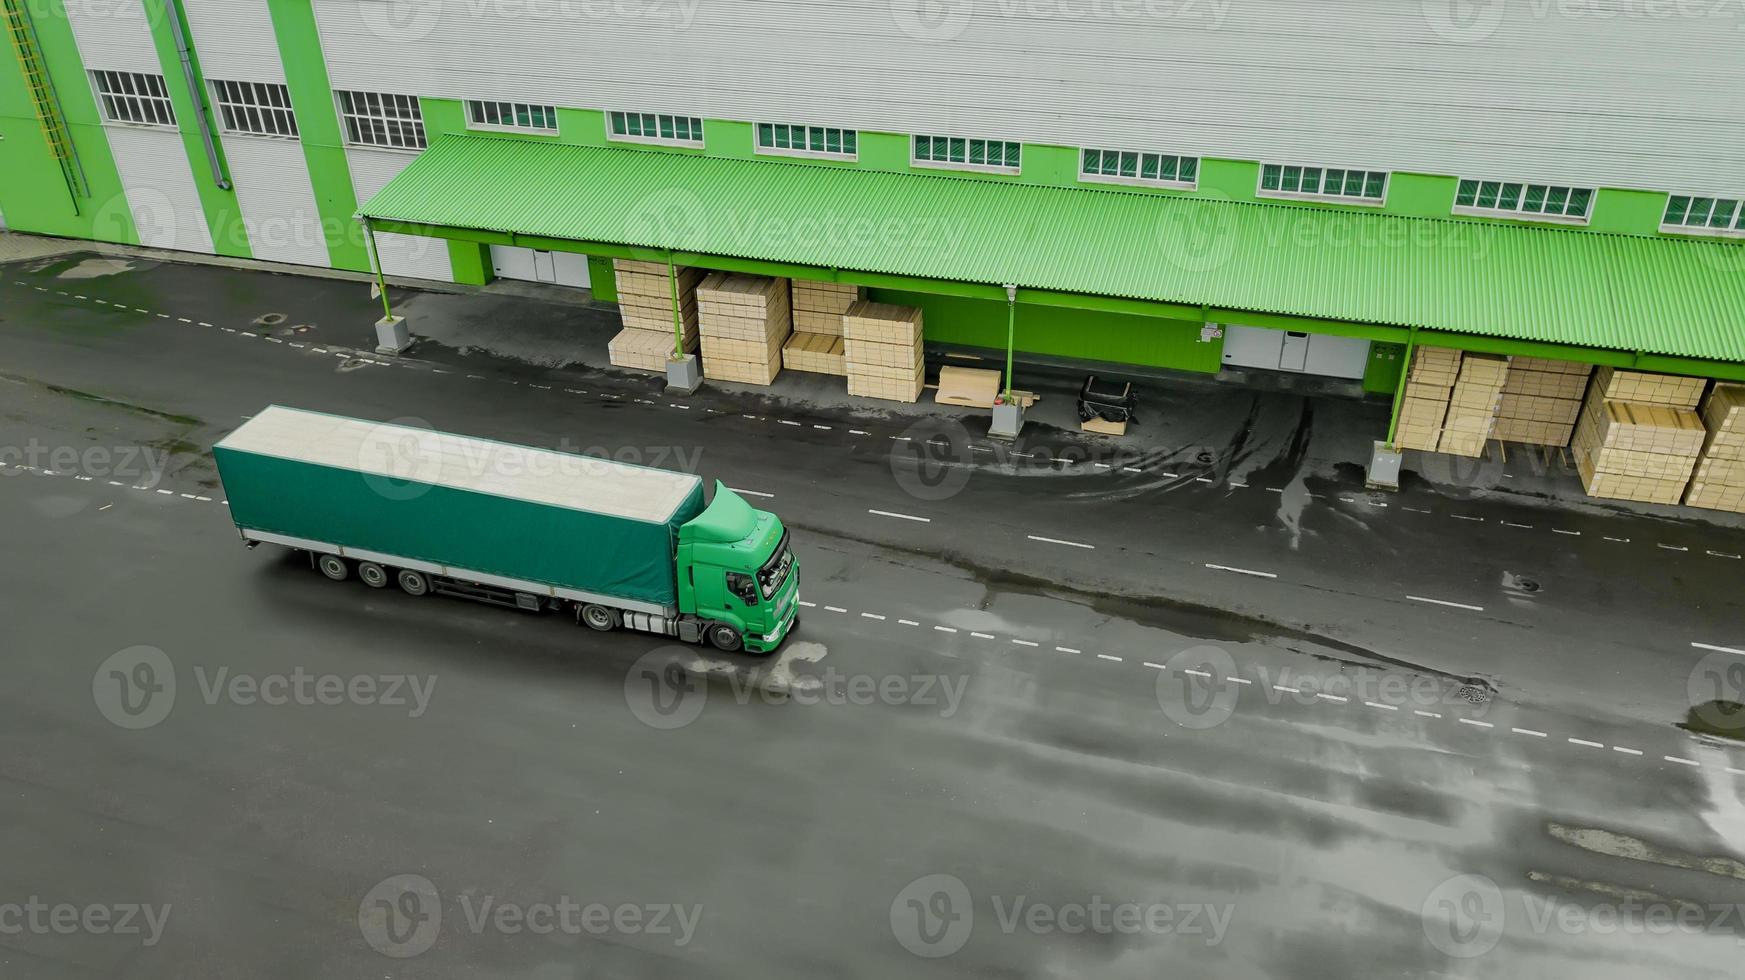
[[736, 572]]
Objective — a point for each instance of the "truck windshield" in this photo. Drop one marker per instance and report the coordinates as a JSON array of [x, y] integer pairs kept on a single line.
[[775, 571]]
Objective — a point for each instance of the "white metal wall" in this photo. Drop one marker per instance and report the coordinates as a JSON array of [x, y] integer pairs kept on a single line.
[[1600, 92], [160, 188], [114, 34], [235, 40], [402, 255], [277, 199]]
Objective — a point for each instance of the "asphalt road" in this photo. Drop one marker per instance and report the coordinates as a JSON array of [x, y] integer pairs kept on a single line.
[[982, 754]]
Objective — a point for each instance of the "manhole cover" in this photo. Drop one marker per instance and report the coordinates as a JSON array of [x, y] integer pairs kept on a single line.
[[1475, 693], [270, 319], [1527, 585], [1205, 456]]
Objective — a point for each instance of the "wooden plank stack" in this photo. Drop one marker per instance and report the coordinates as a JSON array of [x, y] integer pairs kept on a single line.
[[817, 342], [1718, 481], [645, 304], [818, 353], [1429, 385], [1472, 405], [743, 321], [1642, 448], [1541, 401], [882, 348]]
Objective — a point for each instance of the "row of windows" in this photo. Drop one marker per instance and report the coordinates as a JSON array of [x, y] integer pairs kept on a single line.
[[396, 121]]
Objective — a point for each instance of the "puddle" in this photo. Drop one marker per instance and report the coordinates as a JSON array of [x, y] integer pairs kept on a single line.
[[1721, 719], [96, 269]]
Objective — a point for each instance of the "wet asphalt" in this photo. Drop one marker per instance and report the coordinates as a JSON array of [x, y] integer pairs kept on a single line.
[[976, 741]]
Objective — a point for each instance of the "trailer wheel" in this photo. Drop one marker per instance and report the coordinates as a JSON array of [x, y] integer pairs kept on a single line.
[[333, 567], [413, 583], [372, 574], [725, 638], [597, 617]]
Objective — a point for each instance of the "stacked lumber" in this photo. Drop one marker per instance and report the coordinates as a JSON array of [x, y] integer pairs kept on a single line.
[[645, 305], [818, 353], [1718, 481], [882, 349], [1541, 401], [819, 306], [1472, 405], [1644, 449], [1429, 384], [743, 321]]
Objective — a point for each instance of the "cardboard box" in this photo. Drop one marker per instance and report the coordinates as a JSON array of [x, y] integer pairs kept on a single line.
[[643, 350], [1614, 384], [883, 323], [816, 353]]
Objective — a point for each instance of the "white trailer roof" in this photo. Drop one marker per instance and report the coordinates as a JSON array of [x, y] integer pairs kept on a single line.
[[401, 452]]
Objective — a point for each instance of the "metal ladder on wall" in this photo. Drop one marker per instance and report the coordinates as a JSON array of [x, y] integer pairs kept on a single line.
[[42, 95]]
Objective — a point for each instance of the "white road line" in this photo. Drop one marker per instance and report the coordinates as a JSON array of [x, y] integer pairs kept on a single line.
[[163, 316], [1204, 479], [857, 432], [754, 493], [116, 483], [901, 517], [203, 323], [1710, 646], [787, 422], [1620, 748], [808, 605], [1287, 690], [205, 500], [1101, 466], [1476, 724], [752, 417], [1021, 455], [1585, 742], [188, 496], [1420, 510], [1525, 527], [1275, 489], [1331, 697], [167, 493], [1721, 554], [946, 629], [1196, 673], [1068, 650], [78, 296], [1154, 666], [1444, 602], [1104, 656], [1383, 707], [982, 636], [871, 616], [1239, 680], [1241, 571], [1131, 469], [908, 622], [900, 439], [1672, 547], [1529, 731], [1069, 544], [1463, 517], [184, 319], [1168, 476], [835, 609], [1573, 534], [1239, 486], [1619, 540], [1425, 714], [1682, 762], [1736, 772], [826, 428], [1027, 643]]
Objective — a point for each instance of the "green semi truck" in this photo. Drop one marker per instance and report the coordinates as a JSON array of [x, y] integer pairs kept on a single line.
[[616, 544]]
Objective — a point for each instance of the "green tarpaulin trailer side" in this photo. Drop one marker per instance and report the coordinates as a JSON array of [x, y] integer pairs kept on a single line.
[[471, 504]]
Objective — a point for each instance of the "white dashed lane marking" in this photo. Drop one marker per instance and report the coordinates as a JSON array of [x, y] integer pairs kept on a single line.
[[754, 493], [1584, 742], [901, 517], [1241, 571], [1620, 748], [1069, 544], [1068, 650], [1104, 656], [1682, 762], [1710, 646], [1445, 602]]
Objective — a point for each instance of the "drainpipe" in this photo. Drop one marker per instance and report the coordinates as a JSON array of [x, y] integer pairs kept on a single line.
[[1011, 334], [1400, 387], [173, 14]]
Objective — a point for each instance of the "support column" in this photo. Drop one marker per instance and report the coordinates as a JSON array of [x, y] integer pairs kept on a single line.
[[392, 335], [684, 373], [1008, 414], [1385, 457]]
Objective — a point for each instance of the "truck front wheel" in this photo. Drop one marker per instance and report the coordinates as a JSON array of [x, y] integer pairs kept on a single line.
[[598, 617], [333, 567], [413, 583], [725, 638]]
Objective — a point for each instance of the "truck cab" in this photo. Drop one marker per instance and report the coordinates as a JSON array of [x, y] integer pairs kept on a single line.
[[736, 572]]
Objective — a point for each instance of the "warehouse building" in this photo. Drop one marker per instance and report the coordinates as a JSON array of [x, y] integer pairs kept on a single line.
[[1290, 187]]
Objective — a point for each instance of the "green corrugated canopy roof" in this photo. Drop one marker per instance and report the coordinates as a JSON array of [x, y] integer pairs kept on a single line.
[[1669, 296]]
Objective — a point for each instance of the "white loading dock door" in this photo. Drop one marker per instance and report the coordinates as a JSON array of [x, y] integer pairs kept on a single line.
[[534, 265], [1295, 351]]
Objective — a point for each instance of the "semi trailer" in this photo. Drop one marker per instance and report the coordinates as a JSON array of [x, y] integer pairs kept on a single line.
[[614, 544]]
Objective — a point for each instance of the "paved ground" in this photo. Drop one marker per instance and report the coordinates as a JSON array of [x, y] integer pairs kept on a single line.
[[1268, 776]]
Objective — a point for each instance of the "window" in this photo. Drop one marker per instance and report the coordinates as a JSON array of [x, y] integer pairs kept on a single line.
[[134, 97], [647, 127], [741, 585], [960, 153], [511, 115], [1704, 215], [1130, 167], [1328, 183], [1524, 200], [811, 141], [255, 107], [372, 119]]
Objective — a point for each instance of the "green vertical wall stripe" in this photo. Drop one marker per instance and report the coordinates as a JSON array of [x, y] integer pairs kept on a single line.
[[222, 211], [33, 193], [318, 129]]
